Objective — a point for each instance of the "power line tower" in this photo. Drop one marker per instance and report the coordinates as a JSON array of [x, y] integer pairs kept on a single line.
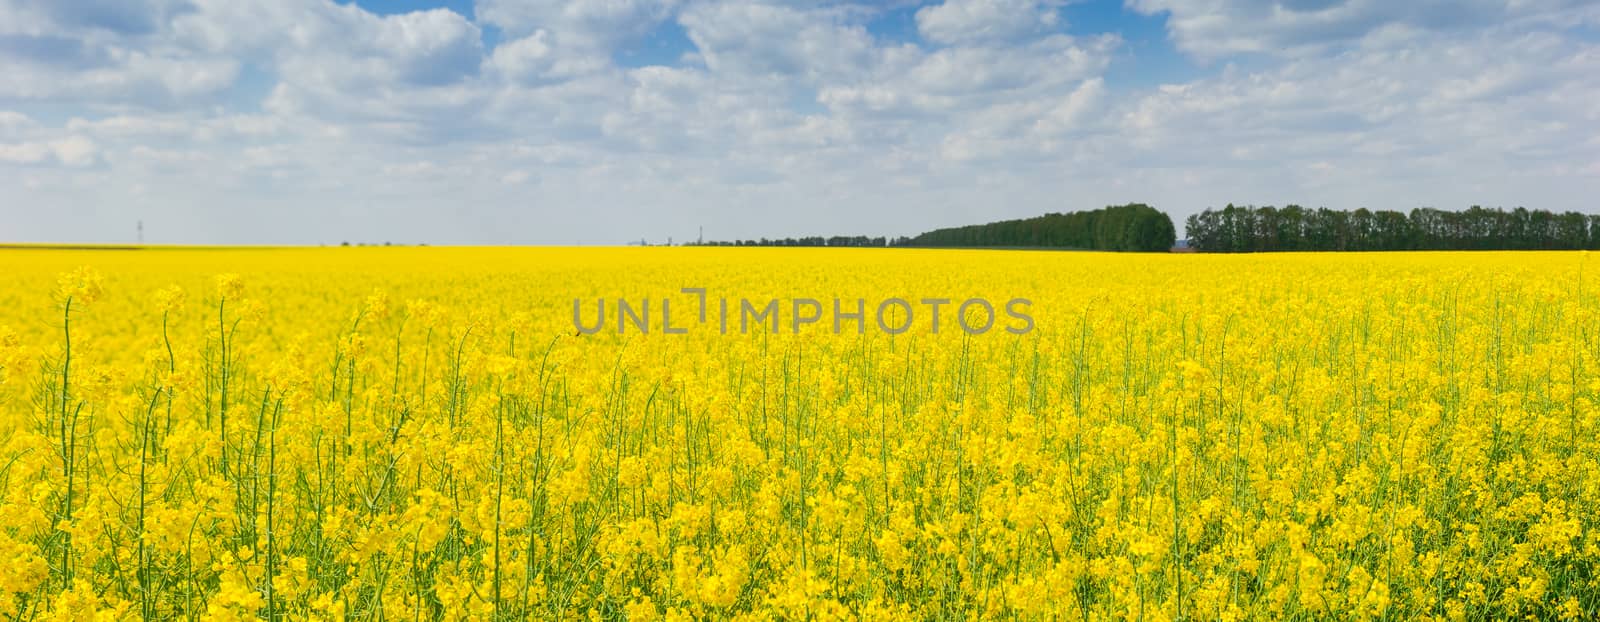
[[140, 228]]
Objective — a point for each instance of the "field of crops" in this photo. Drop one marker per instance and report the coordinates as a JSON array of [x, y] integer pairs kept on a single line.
[[407, 434]]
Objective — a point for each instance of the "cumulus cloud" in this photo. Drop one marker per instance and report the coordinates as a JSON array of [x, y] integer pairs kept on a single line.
[[1215, 29], [555, 40], [979, 21], [12, 122], [764, 40], [126, 77], [332, 45], [73, 151], [428, 47], [539, 59], [248, 120], [1436, 123], [119, 17], [109, 53], [599, 21], [979, 106]]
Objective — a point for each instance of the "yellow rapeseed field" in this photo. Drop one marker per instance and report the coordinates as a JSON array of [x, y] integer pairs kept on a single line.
[[424, 434]]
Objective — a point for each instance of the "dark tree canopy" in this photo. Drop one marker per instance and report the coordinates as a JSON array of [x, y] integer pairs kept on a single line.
[[850, 241], [1131, 227], [1235, 229]]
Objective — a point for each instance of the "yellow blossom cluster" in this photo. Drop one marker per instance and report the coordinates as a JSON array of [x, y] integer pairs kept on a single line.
[[332, 434]]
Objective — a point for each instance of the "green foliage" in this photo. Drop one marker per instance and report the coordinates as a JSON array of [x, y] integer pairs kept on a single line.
[[846, 241], [1132, 227], [1246, 229]]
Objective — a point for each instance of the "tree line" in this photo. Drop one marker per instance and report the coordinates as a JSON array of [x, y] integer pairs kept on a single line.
[[1243, 229], [1131, 227], [853, 241]]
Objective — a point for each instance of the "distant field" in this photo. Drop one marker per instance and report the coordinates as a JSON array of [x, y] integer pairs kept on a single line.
[[414, 433]]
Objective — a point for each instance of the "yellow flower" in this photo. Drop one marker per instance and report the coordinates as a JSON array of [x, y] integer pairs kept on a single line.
[[1240, 438], [229, 286], [22, 568], [169, 299], [83, 285]]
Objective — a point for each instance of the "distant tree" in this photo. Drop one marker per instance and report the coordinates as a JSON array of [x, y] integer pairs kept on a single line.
[[1235, 229], [1132, 227]]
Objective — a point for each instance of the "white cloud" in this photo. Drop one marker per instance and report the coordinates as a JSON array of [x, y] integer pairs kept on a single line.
[[985, 21], [248, 120], [73, 151], [537, 59], [428, 47], [119, 17], [1385, 128], [117, 75], [341, 47], [12, 122], [758, 40], [596, 21], [179, 128], [980, 103], [1220, 27], [108, 52], [1043, 65]]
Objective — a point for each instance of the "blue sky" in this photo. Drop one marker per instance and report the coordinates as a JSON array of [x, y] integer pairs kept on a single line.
[[603, 121]]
